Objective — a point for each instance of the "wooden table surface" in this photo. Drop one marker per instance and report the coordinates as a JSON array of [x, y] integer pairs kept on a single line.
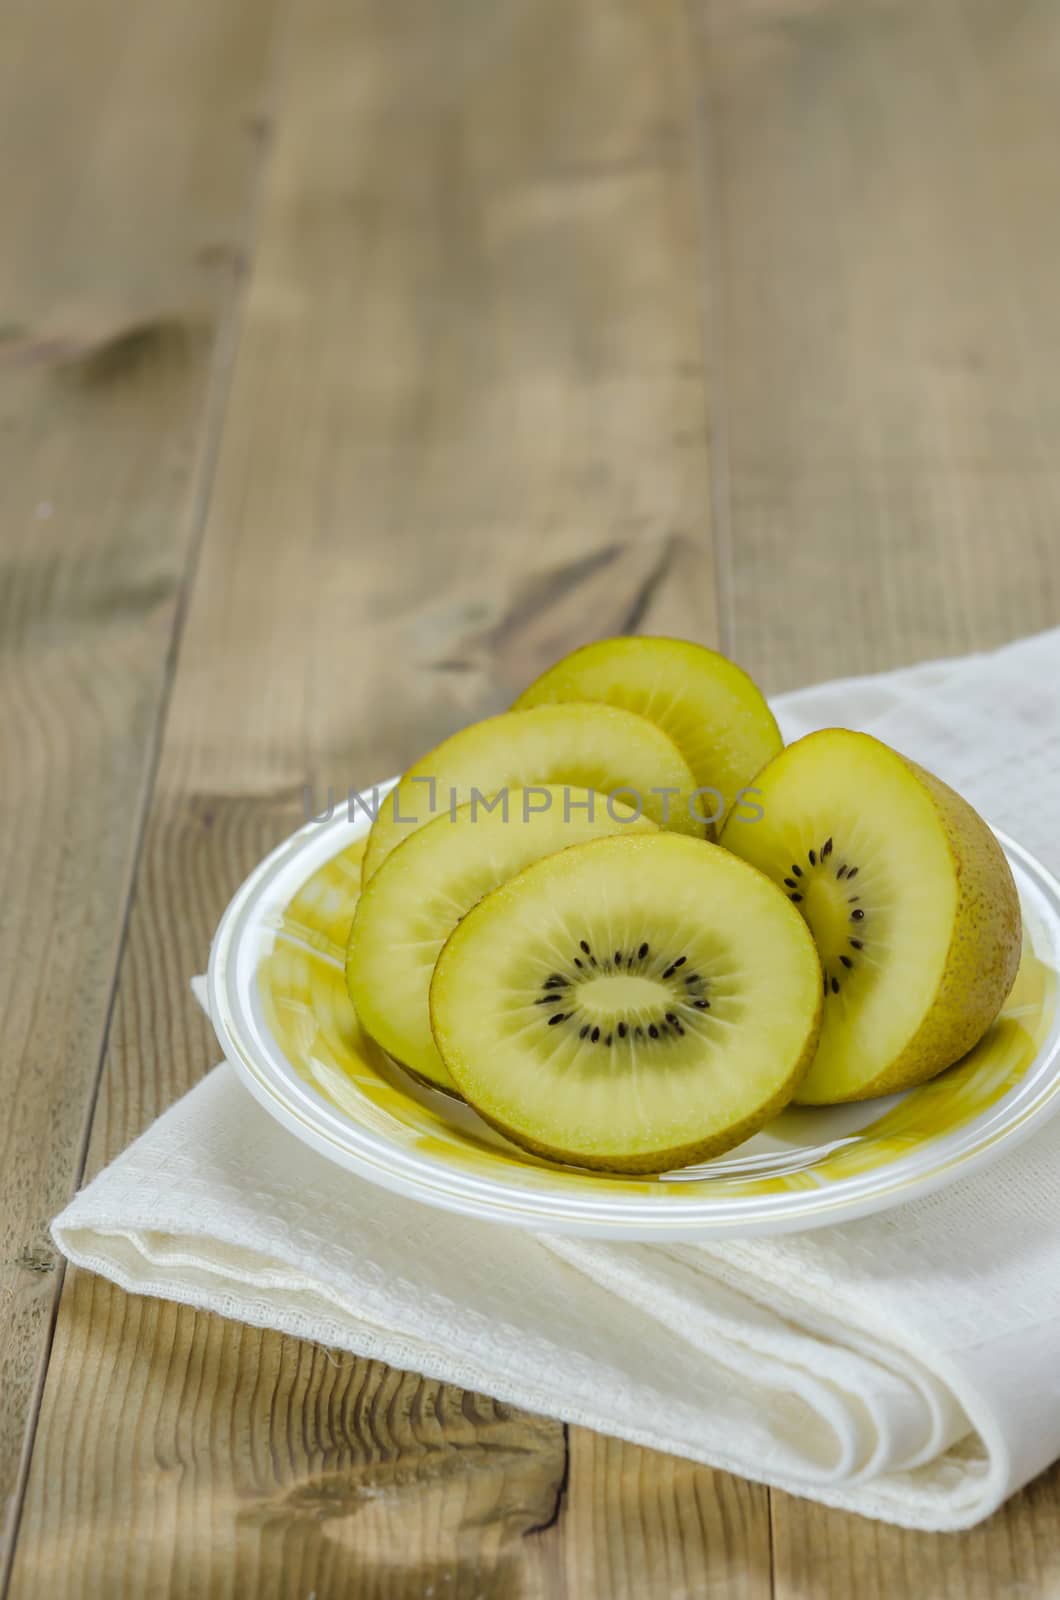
[[356, 358]]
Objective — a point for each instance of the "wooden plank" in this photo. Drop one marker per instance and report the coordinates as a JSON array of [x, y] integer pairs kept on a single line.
[[128, 145], [827, 1555], [640, 1523], [887, 253], [467, 428], [199, 1458], [887, 244]]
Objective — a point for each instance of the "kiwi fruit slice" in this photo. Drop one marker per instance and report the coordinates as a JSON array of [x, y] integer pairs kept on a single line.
[[630, 1004], [711, 709], [611, 751], [429, 882], [909, 898]]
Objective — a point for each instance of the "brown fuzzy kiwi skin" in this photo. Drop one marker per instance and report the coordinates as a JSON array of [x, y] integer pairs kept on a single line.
[[678, 1156], [983, 956]]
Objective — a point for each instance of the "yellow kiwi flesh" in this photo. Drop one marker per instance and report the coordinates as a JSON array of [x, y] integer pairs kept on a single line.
[[433, 878], [910, 900], [603, 748], [631, 1004], [710, 708]]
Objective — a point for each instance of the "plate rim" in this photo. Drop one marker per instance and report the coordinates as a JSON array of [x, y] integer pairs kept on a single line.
[[666, 1214]]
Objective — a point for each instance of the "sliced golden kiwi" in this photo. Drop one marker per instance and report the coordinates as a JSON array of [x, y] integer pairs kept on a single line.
[[909, 898], [711, 709], [596, 747], [630, 1004], [431, 880]]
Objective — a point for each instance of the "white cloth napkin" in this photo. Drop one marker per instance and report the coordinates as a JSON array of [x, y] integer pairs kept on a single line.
[[906, 1366]]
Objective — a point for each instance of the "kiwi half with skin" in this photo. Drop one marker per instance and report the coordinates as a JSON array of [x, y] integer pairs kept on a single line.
[[909, 898], [433, 878], [597, 747], [630, 1004], [711, 709]]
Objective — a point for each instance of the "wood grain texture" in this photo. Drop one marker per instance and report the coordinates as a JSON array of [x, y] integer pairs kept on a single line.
[[881, 183], [203, 1458], [886, 322], [127, 156], [524, 270], [466, 430], [825, 1555], [637, 1524]]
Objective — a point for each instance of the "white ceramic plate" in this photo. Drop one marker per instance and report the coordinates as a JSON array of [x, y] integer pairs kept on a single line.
[[279, 1005]]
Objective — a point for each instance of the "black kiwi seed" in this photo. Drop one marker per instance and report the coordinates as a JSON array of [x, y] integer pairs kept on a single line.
[[852, 873], [790, 882], [813, 858], [796, 869], [835, 985], [618, 958], [578, 962], [559, 1017], [671, 1018], [638, 1032], [555, 982], [607, 1041], [846, 961], [841, 871], [584, 943], [643, 951], [693, 977], [622, 1030], [595, 1035], [701, 1005], [546, 999], [679, 1028], [584, 1034], [857, 915], [854, 898], [857, 944], [795, 897], [826, 848], [653, 1030]]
